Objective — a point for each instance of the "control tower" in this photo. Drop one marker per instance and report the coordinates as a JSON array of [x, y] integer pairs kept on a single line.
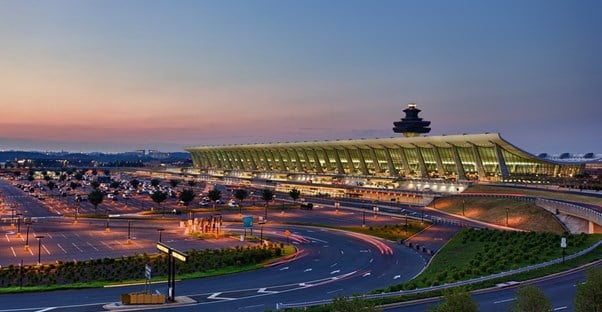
[[411, 125]]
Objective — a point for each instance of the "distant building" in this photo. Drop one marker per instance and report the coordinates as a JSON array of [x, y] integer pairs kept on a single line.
[[459, 157]]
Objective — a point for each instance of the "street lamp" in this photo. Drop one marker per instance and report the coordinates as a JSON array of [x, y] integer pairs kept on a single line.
[[27, 236], [108, 228], [336, 207], [129, 237], [375, 208], [507, 210], [160, 230], [364, 218], [39, 237], [19, 215], [12, 215], [463, 202]]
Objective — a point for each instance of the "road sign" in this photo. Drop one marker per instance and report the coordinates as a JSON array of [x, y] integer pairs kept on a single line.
[[173, 252], [287, 233], [147, 272], [247, 221], [563, 242]]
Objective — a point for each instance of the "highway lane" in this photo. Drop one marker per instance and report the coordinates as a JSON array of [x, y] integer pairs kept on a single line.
[[331, 263], [560, 289]]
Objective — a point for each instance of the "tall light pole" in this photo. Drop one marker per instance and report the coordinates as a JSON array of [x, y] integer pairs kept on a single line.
[[129, 237], [507, 210], [12, 215], [463, 202], [27, 236], [364, 218], [160, 230], [336, 207], [19, 215], [39, 237], [108, 228]]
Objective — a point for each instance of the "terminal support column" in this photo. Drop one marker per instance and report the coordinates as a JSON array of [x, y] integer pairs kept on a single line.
[[392, 171]]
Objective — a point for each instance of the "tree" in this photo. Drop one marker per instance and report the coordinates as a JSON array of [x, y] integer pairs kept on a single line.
[[73, 185], [94, 184], [530, 298], [267, 195], [155, 182], [589, 293], [51, 185], [344, 304], [456, 300], [174, 182], [95, 198], [240, 194], [191, 183], [214, 195], [294, 194], [159, 197], [186, 196], [134, 183], [115, 184], [79, 176]]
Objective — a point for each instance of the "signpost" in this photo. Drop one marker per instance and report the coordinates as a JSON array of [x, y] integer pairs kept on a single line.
[[171, 265], [147, 274], [247, 223], [287, 233], [563, 246], [261, 222]]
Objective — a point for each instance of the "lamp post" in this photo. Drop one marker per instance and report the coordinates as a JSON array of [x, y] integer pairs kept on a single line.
[[19, 215], [27, 236], [160, 230], [463, 202], [12, 215], [108, 228], [39, 237], [375, 208], [363, 218], [406, 215], [129, 232], [77, 210], [507, 210], [336, 207]]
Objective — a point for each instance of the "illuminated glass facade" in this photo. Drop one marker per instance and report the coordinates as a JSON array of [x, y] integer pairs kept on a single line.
[[460, 157]]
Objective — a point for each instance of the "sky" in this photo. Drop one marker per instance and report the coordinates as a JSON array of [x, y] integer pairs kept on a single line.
[[121, 75]]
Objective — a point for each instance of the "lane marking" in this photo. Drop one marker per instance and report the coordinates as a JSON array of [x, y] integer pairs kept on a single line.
[[47, 309], [214, 296], [13, 250], [342, 253], [367, 274], [8, 239], [74, 245], [307, 270], [335, 264], [396, 276], [61, 247], [560, 308], [371, 260], [92, 246], [285, 268], [505, 300], [264, 291], [335, 272], [46, 249], [333, 291]]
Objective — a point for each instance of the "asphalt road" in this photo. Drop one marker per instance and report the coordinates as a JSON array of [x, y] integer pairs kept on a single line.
[[331, 263]]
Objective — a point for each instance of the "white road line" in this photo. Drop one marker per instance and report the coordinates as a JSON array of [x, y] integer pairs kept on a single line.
[[74, 245], [505, 300], [335, 264], [335, 272], [333, 291], [396, 276], [265, 291], [47, 309], [30, 251], [215, 296], [307, 270], [92, 246], [367, 274], [63, 235], [48, 234], [13, 250], [371, 260], [61, 247], [108, 246], [8, 239], [560, 308], [365, 250], [44, 246], [342, 253], [285, 268]]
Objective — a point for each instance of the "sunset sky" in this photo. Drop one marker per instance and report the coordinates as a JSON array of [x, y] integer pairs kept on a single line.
[[123, 75]]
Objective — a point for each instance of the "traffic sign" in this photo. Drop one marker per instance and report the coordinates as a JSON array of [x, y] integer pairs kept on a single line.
[[147, 272]]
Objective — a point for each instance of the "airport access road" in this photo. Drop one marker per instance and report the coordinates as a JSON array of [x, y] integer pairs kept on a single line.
[[560, 289], [330, 263]]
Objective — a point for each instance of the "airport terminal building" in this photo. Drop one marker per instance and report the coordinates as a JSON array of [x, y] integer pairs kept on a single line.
[[485, 157]]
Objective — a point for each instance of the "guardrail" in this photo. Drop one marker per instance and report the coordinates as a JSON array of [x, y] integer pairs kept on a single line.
[[280, 306], [586, 213]]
